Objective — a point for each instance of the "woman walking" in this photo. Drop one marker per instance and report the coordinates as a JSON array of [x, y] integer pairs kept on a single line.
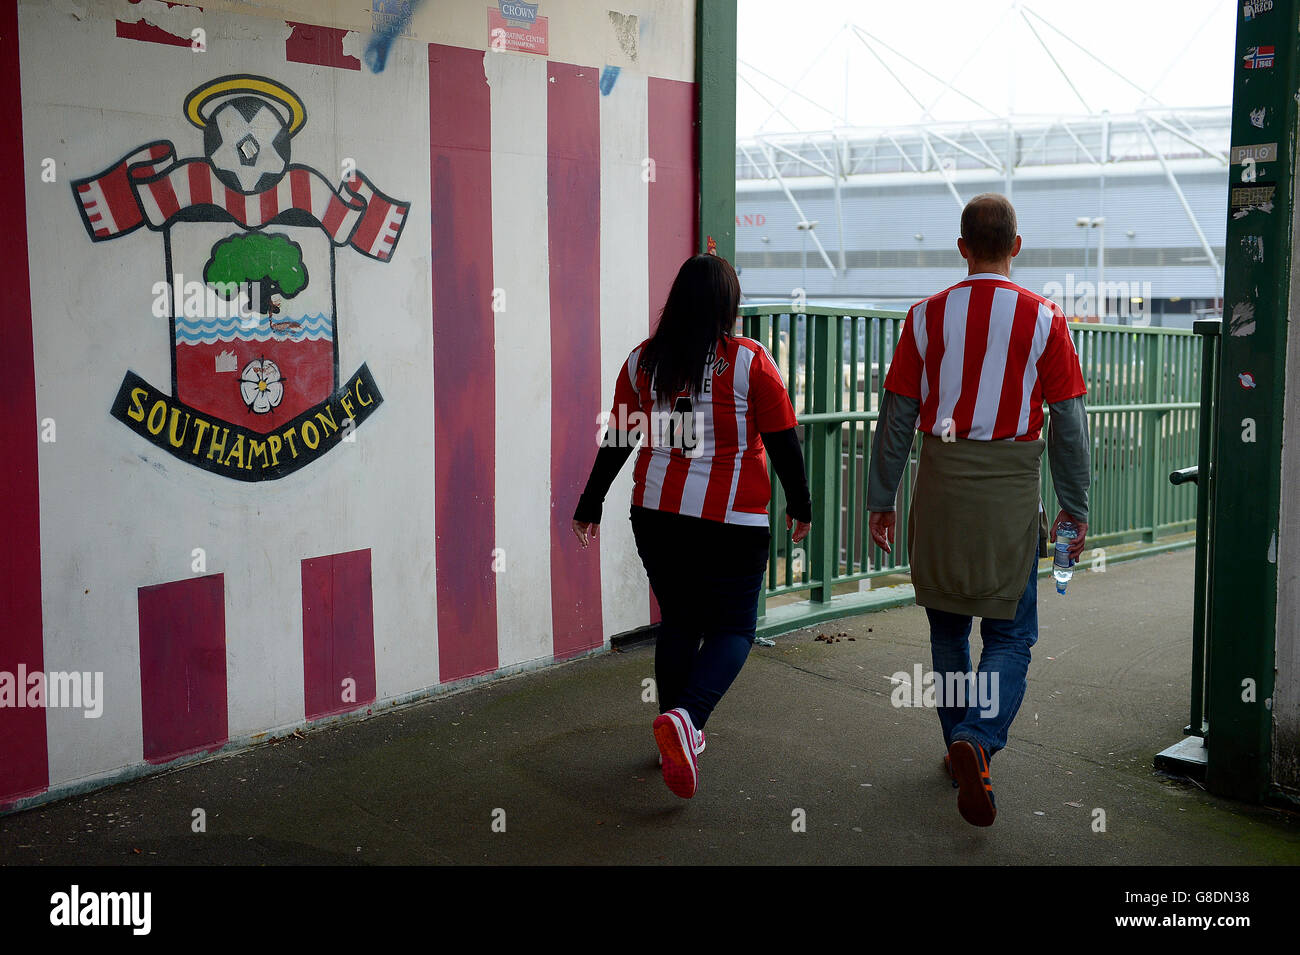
[[708, 404]]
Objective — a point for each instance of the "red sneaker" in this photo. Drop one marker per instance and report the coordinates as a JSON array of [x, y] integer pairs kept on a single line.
[[970, 767], [675, 735], [699, 745]]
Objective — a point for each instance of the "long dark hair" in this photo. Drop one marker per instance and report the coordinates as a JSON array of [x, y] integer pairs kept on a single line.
[[700, 312]]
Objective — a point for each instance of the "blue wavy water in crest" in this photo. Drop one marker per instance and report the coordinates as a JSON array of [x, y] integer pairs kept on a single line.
[[209, 331]]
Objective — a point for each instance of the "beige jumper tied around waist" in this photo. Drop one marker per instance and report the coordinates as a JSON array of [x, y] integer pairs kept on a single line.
[[975, 526]]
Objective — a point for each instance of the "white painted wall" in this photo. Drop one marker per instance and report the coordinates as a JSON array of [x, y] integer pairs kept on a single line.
[[624, 323], [521, 269], [118, 514]]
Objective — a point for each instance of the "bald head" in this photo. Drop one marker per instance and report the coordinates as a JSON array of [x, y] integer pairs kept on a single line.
[[988, 227]]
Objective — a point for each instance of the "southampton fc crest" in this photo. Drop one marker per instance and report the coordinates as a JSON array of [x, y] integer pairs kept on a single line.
[[249, 239]]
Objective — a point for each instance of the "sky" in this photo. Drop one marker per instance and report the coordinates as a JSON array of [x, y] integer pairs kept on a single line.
[[1180, 52]]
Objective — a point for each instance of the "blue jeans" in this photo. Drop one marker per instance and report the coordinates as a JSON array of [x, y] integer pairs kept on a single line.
[[707, 582], [982, 713]]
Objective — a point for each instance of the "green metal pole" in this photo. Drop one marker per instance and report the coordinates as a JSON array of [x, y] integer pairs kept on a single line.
[[760, 329], [1209, 329], [1150, 435], [715, 77], [824, 455], [1243, 574], [1159, 475]]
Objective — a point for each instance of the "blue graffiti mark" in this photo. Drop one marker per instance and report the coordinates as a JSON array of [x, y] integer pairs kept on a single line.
[[607, 77], [391, 21]]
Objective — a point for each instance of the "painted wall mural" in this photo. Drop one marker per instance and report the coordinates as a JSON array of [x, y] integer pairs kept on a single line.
[[433, 549], [249, 242]]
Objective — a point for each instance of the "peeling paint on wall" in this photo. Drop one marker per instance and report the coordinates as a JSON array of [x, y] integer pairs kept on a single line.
[[626, 32]]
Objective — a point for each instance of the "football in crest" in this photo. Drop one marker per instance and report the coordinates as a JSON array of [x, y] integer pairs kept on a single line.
[[247, 142]]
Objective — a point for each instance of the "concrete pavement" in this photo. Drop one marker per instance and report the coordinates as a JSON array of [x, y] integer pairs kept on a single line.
[[563, 760]]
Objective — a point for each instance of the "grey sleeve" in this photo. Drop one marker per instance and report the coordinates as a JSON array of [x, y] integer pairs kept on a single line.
[[1070, 456], [895, 430]]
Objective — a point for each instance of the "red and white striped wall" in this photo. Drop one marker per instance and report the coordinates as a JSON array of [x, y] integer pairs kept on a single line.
[[436, 548]]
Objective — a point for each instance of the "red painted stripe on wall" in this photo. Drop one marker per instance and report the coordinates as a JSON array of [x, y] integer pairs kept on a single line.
[[145, 31], [122, 204], [24, 759], [200, 180], [338, 634], [464, 361], [165, 195], [183, 667], [376, 218], [670, 112], [319, 46], [670, 116], [235, 204], [300, 188], [270, 204], [573, 217]]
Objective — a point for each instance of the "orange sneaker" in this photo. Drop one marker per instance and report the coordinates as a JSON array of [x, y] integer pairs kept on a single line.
[[675, 735], [970, 767]]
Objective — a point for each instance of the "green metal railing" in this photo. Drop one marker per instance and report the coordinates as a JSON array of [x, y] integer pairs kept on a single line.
[[1144, 390]]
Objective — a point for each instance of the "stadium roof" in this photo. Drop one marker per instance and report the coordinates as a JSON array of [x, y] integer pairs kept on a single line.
[[994, 147]]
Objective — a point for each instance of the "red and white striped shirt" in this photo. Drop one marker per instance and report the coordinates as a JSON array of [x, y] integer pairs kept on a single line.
[[982, 357], [722, 474]]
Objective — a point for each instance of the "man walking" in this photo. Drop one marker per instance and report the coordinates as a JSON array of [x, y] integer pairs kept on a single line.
[[973, 366]]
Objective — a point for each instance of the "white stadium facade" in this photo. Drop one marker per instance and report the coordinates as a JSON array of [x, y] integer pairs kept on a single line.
[[1132, 205]]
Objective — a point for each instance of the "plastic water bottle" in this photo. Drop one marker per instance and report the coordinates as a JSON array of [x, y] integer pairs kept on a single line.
[[1062, 571]]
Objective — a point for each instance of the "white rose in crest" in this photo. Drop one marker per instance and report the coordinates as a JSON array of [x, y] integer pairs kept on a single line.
[[260, 385]]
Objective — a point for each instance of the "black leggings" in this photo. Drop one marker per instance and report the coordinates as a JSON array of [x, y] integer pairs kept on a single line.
[[707, 577]]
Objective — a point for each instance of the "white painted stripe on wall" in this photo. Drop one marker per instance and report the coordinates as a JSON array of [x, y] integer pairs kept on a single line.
[[624, 307], [149, 205], [523, 356], [181, 186], [396, 340]]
